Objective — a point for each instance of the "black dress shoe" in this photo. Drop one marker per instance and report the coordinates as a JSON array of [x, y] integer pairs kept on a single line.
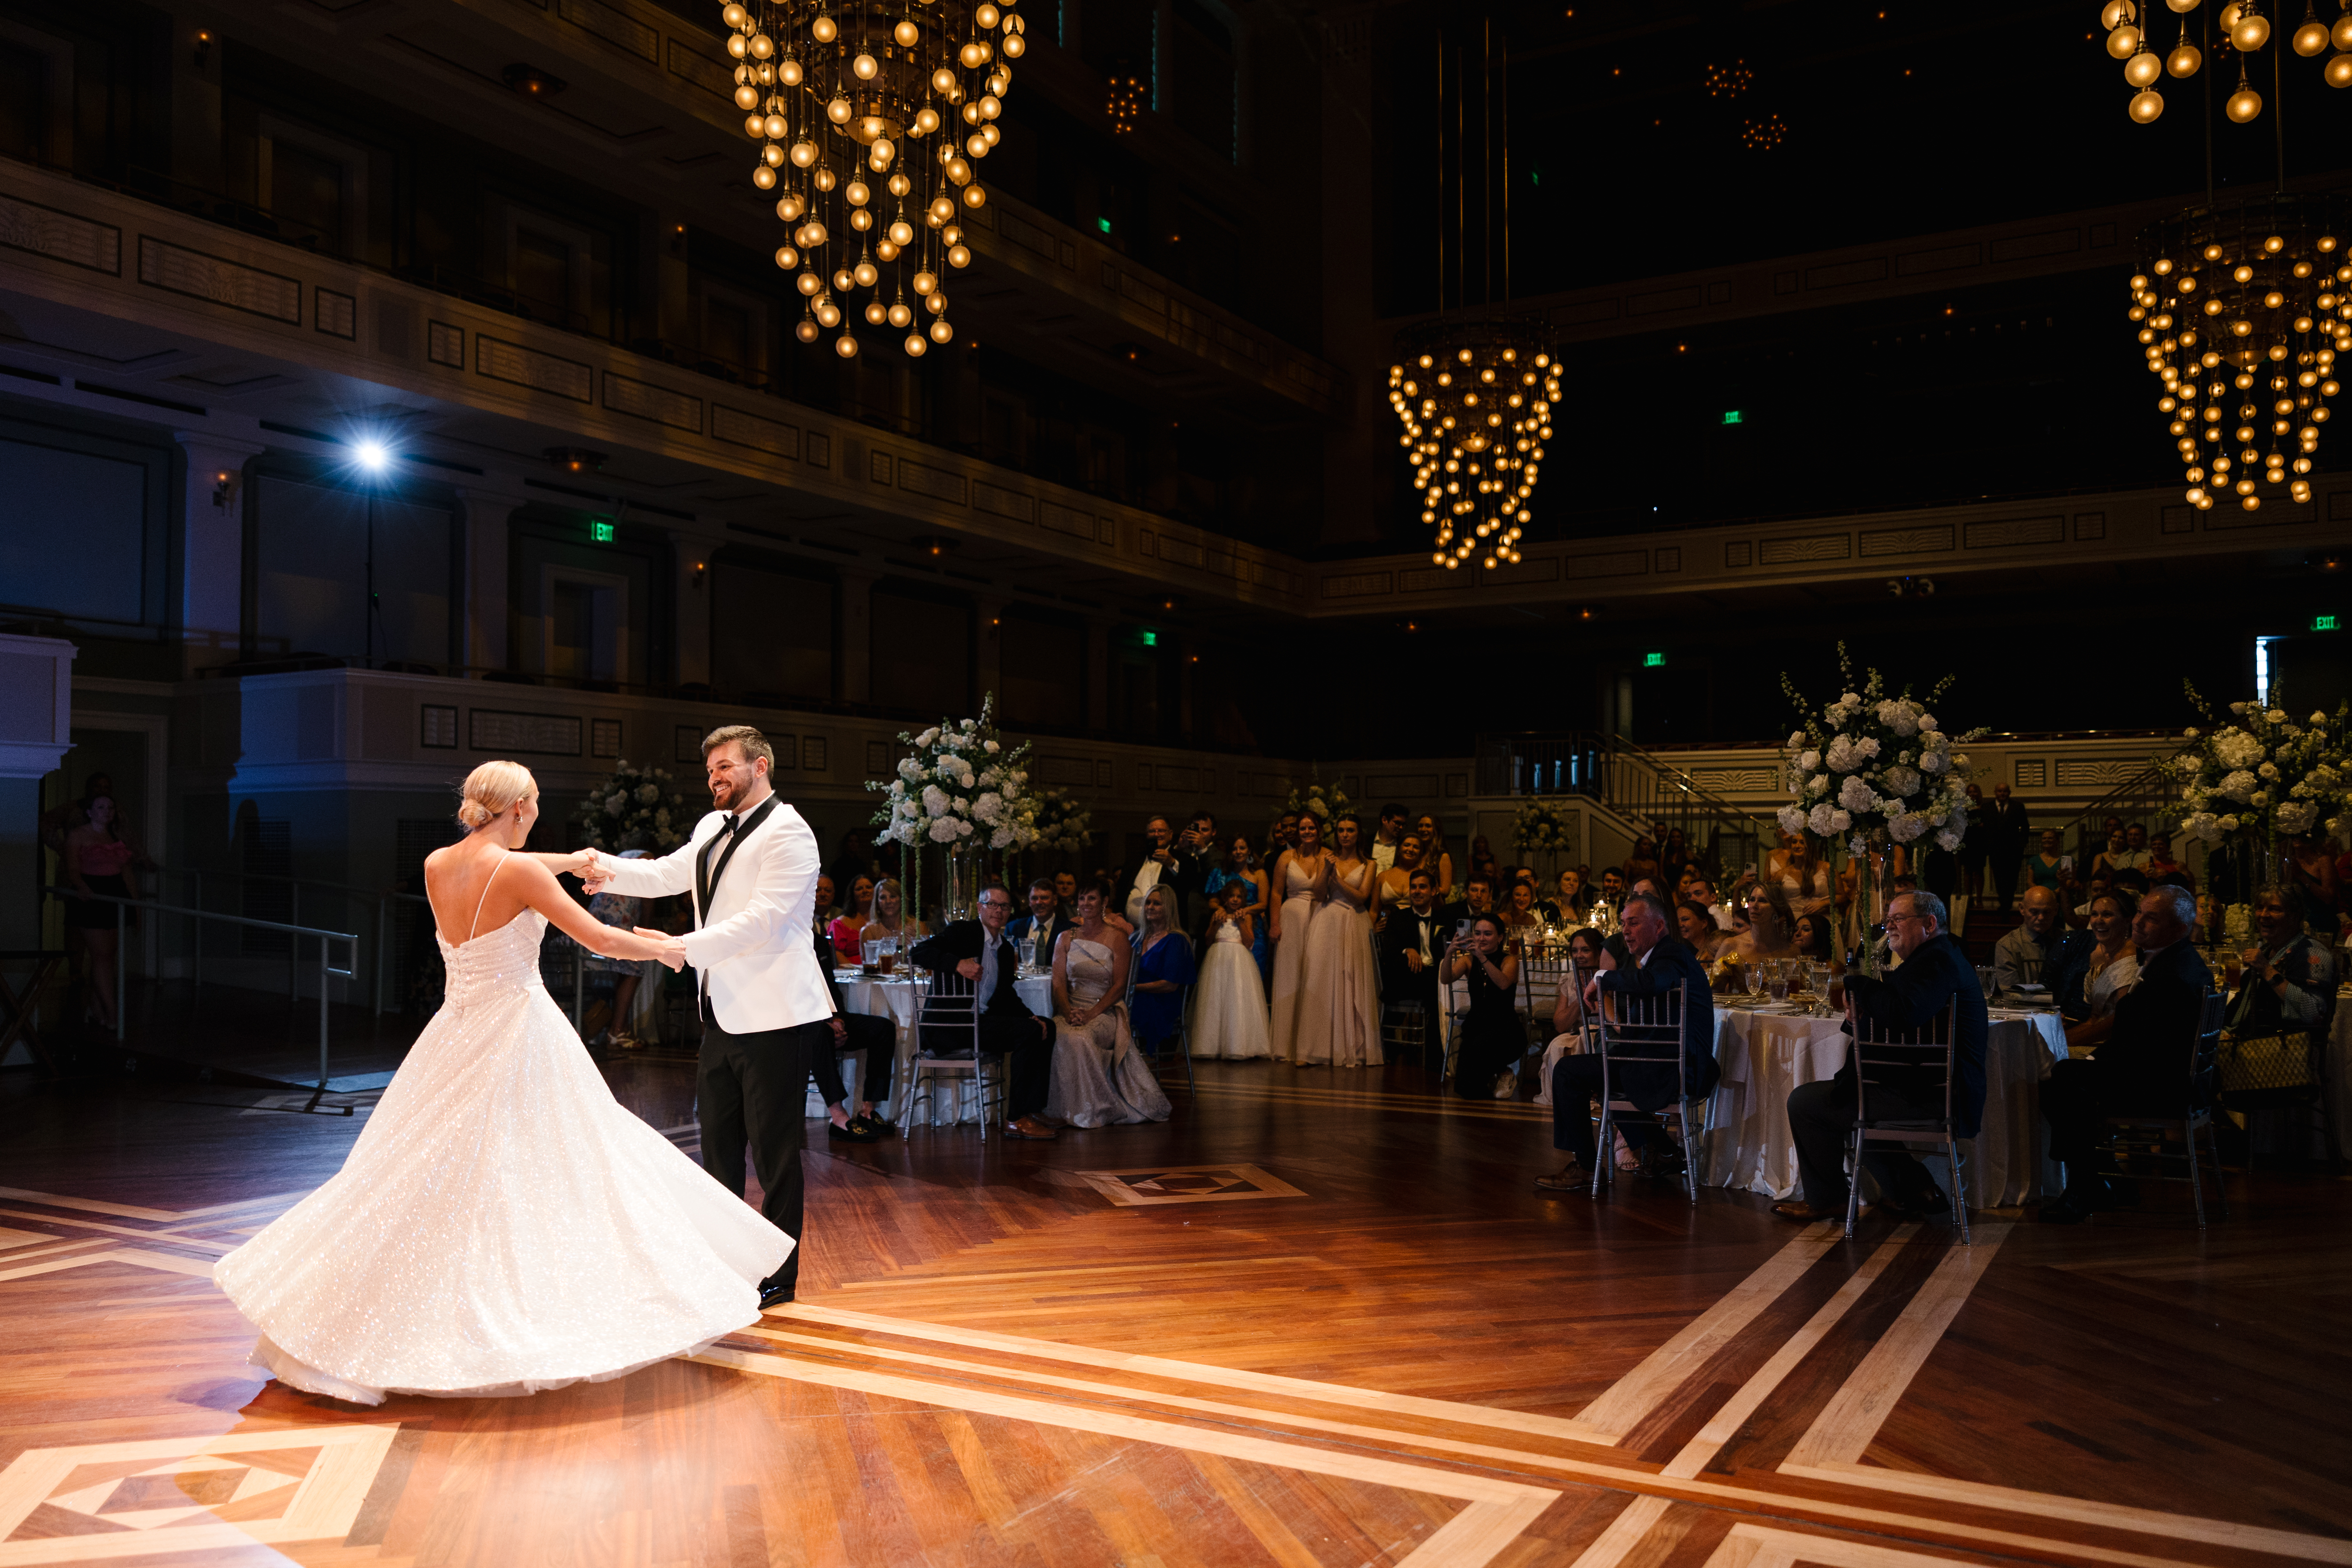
[[857, 1130], [880, 1126], [2078, 1203], [774, 1296]]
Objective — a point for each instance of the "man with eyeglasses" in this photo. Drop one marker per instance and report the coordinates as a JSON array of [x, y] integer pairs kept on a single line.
[[1910, 1004], [982, 953]]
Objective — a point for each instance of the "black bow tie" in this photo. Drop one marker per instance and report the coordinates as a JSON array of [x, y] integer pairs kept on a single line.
[[728, 827]]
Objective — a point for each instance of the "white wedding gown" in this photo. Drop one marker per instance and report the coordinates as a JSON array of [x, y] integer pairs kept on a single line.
[[1229, 1016], [502, 1224]]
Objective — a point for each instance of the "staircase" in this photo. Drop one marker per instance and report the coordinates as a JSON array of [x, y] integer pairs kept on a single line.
[[1633, 792]]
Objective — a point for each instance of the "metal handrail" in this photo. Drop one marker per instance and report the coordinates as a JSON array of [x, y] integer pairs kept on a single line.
[[382, 897], [326, 967], [1599, 767]]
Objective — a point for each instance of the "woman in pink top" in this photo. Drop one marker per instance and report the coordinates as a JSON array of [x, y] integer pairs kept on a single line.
[[847, 927], [94, 861]]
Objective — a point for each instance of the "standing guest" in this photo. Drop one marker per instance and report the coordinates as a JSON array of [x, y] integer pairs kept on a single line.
[[60, 820], [1197, 846], [1696, 925], [848, 925], [1243, 866], [1390, 835], [1300, 877], [624, 912], [1286, 833], [2312, 885], [2046, 867], [822, 917], [1644, 861], [2005, 840], [2135, 853], [1934, 977], [2141, 1069], [1656, 962], [1099, 1077], [2290, 981], [1035, 933], [977, 951], [1674, 857], [1229, 1010], [1482, 856], [1396, 879], [889, 921], [1412, 943], [879, 1039], [97, 861], [1972, 846], [1489, 1039], [1339, 1011], [1163, 865], [2104, 974], [1065, 892], [1433, 856], [2041, 949], [2160, 862], [1164, 966], [855, 858]]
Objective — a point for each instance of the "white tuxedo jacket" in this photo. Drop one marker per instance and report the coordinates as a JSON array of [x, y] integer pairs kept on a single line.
[[751, 944]]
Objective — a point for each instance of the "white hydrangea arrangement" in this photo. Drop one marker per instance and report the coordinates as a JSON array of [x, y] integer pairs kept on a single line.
[[2262, 775], [1326, 803], [1871, 767], [1541, 826], [632, 800], [1059, 823], [959, 783]]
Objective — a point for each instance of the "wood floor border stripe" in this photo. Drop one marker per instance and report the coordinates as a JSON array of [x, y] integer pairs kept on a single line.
[[89, 1206], [117, 1230], [1761, 1546]]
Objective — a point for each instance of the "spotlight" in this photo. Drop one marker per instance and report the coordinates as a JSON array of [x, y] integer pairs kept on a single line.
[[372, 455]]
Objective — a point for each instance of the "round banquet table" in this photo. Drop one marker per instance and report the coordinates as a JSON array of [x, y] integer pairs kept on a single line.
[[898, 998], [1764, 1053]]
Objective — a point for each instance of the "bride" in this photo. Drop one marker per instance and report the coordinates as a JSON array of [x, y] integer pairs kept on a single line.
[[1099, 1076], [502, 1225]]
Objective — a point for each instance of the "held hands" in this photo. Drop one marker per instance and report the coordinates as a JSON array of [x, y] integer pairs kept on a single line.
[[594, 873], [669, 950]]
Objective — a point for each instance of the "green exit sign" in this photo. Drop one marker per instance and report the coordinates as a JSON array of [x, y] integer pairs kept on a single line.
[[600, 531], [1732, 416], [1150, 640], [1653, 660], [2326, 624]]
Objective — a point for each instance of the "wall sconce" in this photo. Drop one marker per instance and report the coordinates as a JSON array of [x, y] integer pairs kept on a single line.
[[203, 49], [701, 570], [224, 490]]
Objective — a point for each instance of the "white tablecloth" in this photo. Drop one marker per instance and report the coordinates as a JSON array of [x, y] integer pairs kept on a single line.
[[896, 999], [1764, 1054]]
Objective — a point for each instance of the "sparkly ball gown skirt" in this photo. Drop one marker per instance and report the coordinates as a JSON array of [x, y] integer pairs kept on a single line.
[[502, 1224]]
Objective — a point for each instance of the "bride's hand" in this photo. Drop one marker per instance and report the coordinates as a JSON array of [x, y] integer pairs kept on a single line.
[[673, 952]]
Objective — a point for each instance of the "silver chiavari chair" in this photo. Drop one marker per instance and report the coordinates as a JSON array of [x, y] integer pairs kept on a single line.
[[1876, 1055], [1647, 1032]]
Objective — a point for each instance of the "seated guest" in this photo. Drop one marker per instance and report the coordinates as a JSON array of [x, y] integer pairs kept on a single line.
[[2160, 862], [2141, 1069], [1696, 926], [1490, 1039], [977, 951], [879, 1039], [2040, 950], [822, 914], [1163, 969], [2290, 981], [1702, 889], [1099, 1076], [1478, 899], [1813, 940], [1909, 1004], [848, 925], [1519, 917], [2135, 851], [1036, 931], [1656, 962], [1065, 890], [2089, 983], [1613, 887], [2112, 858], [1771, 925], [888, 922], [1587, 954], [2311, 890], [1412, 943], [1570, 900]]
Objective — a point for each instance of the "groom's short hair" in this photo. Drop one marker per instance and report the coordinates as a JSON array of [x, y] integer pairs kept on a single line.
[[755, 745]]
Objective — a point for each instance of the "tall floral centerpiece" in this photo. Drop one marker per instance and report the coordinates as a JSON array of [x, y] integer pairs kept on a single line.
[[1870, 771], [2259, 776], [961, 788], [1057, 823], [633, 800], [1325, 803], [1542, 827]]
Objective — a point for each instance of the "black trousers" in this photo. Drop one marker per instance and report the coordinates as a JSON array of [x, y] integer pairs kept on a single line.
[[2079, 1096], [2006, 863], [753, 1089], [1028, 1052], [1821, 1123], [1575, 1085], [877, 1038]]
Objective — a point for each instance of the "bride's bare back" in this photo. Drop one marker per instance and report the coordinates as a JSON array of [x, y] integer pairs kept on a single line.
[[478, 885]]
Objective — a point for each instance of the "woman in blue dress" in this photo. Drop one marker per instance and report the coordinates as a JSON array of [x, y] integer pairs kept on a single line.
[[1163, 970], [1243, 866]]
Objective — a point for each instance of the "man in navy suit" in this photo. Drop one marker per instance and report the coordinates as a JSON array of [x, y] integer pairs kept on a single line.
[[1656, 960], [979, 951], [1036, 932]]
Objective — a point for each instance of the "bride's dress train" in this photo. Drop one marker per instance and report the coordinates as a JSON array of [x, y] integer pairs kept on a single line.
[[502, 1224]]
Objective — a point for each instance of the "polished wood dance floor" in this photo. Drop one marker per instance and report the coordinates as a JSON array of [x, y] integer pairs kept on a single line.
[[1320, 1319]]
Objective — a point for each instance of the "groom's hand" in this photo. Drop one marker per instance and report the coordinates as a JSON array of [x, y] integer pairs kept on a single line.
[[672, 951]]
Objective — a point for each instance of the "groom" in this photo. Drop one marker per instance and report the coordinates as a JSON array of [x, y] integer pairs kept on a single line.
[[751, 866]]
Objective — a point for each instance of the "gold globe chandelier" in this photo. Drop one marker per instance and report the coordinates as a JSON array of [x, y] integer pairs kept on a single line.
[[870, 118], [1475, 399], [2245, 31], [2243, 311]]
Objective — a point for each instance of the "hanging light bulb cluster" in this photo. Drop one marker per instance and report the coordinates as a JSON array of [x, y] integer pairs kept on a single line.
[[2245, 31], [1475, 399], [2243, 313], [870, 117]]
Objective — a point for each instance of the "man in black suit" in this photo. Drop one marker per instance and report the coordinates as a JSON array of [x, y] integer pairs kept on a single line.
[[977, 951], [1907, 1003], [1412, 944], [2004, 841], [1164, 867], [1036, 932], [877, 1038], [1658, 961], [1477, 899], [2141, 1069]]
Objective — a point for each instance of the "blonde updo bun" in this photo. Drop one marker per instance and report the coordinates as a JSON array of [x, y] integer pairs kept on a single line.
[[492, 790]]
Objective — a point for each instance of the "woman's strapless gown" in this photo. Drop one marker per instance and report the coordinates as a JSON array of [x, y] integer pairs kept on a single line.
[[1298, 912], [1339, 1002], [1229, 1003], [502, 1225], [1099, 1077]]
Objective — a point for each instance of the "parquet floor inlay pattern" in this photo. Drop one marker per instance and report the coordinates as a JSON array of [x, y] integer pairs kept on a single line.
[[1068, 1352]]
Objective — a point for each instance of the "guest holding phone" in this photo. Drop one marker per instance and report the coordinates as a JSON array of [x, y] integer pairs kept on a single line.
[[1492, 1037]]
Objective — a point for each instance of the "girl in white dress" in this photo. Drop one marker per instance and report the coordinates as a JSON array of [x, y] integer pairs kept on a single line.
[[1300, 876], [1229, 1004], [1099, 1077], [502, 1225], [1338, 1001]]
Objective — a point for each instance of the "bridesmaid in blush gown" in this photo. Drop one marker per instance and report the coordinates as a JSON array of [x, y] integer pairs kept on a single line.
[[502, 1225], [1300, 876], [1339, 1002]]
